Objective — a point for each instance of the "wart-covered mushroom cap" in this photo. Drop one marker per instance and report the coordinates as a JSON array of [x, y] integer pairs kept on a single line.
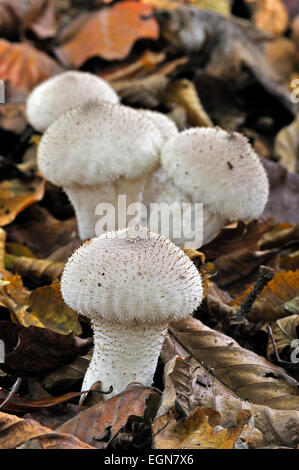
[[55, 96], [96, 152], [131, 284], [220, 170]]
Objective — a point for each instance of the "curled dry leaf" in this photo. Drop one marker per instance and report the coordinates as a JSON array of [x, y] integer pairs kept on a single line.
[[285, 331], [38, 269], [147, 92], [44, 307], [18, 404], [29, 434], [250, 376], [99, 424], [34, 350], [286, 146], [183, 93], [270, 304], [109, 33], [24, 66], [189, 385], [197, 431]]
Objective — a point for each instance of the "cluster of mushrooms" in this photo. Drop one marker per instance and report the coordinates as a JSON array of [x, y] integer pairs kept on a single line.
[[132, 282]]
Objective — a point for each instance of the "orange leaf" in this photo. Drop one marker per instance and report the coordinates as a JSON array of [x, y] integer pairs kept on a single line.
[[24, 66], [16, 195], [109, 33]]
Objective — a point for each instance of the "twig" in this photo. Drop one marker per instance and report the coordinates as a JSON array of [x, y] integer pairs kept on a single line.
[[12, 392], [266, 274]]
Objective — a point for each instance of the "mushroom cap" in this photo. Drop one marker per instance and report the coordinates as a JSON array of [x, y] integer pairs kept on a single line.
[[131, 276], [55, 96], [219, 169], [97, 143], [166, 125]]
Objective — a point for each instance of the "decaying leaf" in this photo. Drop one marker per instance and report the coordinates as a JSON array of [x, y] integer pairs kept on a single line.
[[284, 193], [34, 350], [270, 15], [109, 33], [197, 431], [250, 376], [285, 332], [38, 269], [43, 307], [99, 424], [270, 304], [24, 66], [232, 44], [286, 146], [28, 434]]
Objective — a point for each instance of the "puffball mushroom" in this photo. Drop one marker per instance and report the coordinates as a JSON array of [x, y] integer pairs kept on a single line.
[[55, 96], [166, 126], [96, 152], [130, 284], [216, 168]]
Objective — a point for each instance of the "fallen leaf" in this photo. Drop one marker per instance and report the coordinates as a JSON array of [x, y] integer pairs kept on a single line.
[[109, 33], [34, 350], [99, 424], [284, 193], [29, 434], [24, 66], [183, 93], [249, 376], [146, 92], [285, 331], [33, 268], [286, 146], [271, 16], [197, 431], [270, 304]]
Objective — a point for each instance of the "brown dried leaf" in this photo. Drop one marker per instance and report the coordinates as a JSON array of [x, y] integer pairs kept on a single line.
[[24, 66], [197, 431], [34, 350], [38, 269], [284, 193], [284, 330], [250, 376], [195, 386], [108, 418], [29, 434], [270, 304], [109, 33]]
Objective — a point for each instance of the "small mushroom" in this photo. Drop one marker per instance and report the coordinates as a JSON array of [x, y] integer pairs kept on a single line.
[[166, 125], [216, 168], [96, 152], [55, 96], [130, 284]]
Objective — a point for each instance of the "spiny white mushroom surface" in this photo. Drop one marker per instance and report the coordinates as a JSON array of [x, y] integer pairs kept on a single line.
[[94, 147], [55, 96], [218, 169], [131, 284], [166, 126]]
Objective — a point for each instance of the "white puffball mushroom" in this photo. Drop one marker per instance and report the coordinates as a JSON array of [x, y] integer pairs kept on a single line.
[[96, 152], [218, 169], [131, 284], [57, 95], [166, 125]]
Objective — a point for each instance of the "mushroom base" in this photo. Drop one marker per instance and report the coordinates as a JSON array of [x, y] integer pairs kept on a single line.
[[124, 354]]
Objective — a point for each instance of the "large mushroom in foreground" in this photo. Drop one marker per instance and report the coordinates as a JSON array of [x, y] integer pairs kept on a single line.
[[131, 284]]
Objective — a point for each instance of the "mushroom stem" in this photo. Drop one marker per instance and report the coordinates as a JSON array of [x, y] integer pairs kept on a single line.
[[124, 354], [85, 200]]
